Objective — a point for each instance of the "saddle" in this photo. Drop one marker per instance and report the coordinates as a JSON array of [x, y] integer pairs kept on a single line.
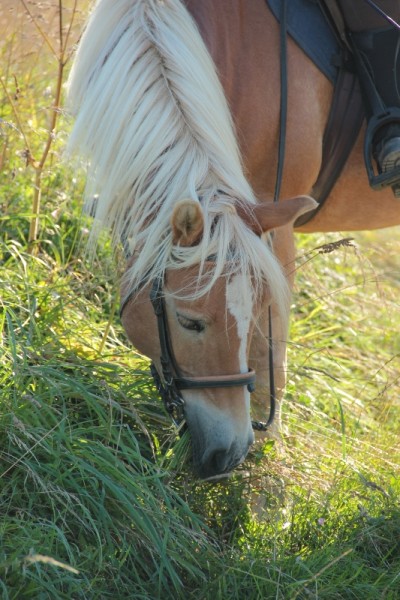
[[312, 29]]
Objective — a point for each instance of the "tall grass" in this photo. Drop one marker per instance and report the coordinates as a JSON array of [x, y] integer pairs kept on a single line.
[[97, 498]]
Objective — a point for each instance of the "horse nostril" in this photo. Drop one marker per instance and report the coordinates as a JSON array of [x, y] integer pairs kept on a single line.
[[215, 462], [219, 462]]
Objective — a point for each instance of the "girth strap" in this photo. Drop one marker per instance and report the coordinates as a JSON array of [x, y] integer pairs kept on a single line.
[[344, 123]]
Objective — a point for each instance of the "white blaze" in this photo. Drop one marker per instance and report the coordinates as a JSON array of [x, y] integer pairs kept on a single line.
[[239, 302]]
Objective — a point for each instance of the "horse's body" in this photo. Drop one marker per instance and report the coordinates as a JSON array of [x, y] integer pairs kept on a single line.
[[242, 37]]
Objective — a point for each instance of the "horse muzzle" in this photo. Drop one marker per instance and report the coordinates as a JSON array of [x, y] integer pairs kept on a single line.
[[220, 443], [218, 464]]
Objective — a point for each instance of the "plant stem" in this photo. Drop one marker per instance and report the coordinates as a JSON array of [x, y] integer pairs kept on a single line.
[[39, 167]]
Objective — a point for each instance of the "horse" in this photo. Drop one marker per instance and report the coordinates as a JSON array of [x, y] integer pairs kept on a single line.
[[177, 112]]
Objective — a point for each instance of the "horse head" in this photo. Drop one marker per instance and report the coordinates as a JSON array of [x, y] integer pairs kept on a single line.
[[208, 335]]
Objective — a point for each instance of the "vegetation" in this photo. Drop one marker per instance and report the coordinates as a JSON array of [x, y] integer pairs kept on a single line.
[[97, 499]]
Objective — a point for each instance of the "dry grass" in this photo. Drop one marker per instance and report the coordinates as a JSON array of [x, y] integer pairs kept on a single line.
[[25, 25]]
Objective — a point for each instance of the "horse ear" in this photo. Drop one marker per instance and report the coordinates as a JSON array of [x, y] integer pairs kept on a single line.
[[187, 222], [271, 215]]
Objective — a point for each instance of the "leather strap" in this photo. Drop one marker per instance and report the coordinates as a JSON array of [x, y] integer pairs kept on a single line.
[[217, 381]]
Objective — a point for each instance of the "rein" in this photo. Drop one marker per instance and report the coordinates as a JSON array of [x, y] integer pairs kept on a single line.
[[260, 425]]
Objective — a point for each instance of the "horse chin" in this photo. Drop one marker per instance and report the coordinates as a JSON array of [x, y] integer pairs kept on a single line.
[[215, 466], [222, 476], [216, 478]]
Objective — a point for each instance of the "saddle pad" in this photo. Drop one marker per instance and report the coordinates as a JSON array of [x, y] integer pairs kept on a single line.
[[307, 25]]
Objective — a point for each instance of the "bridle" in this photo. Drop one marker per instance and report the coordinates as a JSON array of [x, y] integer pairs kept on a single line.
[[172, 382]]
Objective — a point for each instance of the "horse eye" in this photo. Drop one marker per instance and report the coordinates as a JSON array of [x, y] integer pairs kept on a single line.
[[191, 324]]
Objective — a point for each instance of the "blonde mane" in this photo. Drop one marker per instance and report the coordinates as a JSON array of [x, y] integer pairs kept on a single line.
[[153, 124]]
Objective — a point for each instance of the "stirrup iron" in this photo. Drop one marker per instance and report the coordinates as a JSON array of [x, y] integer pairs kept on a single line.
[[381, 179]]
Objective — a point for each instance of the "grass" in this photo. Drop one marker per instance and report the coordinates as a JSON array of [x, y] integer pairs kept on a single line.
[[97, 499]]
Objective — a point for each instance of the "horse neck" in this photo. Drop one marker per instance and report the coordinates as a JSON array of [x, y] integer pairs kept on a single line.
[[243, 39]]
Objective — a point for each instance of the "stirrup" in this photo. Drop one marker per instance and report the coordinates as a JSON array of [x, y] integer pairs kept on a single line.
[[388, 157], [383, 178]]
